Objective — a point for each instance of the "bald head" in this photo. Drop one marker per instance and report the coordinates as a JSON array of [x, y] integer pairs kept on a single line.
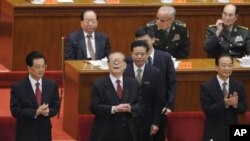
[[230, 8]]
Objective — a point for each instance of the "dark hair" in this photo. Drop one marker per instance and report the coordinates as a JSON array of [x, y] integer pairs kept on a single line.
[[140, 43], [236, 9], [217, 58], [33, 55], [83, 13], [145, 31]]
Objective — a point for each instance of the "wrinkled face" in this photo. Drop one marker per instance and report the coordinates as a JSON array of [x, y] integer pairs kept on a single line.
[[89, 23], [163, 20], [139, 56], [225, 67], [37, 70], [116, 64], [228, 16], [150, 41]]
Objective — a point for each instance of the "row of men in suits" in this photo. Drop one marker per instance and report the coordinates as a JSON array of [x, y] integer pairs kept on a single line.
[[135, 115], [128, 109], [171, 36]]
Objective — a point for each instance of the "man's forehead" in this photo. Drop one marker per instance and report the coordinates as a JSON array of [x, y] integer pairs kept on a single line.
[[229, 9]]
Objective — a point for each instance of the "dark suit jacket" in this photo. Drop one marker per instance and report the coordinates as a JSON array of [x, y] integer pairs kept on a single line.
[[23, 107], [218, 117], [107, 126], [76, 49], [163, 61], [151, 93]]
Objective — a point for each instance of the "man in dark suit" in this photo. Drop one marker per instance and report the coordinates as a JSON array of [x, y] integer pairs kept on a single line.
[[222, 100], [170, 35], [116, 104], [34, 100], [163, 61], [227, 37], [152, 92], [87, 44]]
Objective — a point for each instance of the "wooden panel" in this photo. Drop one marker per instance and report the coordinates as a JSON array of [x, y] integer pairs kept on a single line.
[[79, 78], [40, 27]]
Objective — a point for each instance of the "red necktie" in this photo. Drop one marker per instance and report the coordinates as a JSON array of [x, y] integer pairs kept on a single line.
[[119, 88], [38, 94]]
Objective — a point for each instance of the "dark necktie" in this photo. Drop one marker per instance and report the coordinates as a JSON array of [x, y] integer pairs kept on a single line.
[[150, 60], [224, 90], [138, 76], [90, 47], [38, 94], [119, 88]]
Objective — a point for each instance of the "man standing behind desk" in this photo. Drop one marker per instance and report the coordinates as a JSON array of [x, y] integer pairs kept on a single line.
[[87, 44], [116, 104], [34, 100], [222, 100], [163, 61], [227, 37], [152, 90], [170, 35]]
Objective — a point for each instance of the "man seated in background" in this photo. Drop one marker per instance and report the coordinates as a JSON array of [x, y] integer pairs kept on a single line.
[[86, 43], [227, 37], [170, 35]]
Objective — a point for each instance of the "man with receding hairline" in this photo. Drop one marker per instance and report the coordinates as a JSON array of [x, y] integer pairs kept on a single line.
[[227, 37], [86, 43], [170, 35], [116, 104]]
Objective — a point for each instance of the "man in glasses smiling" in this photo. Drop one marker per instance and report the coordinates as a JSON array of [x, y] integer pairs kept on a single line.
[[170, 35]]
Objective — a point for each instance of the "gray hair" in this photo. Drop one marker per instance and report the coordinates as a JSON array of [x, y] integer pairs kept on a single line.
[[168, 9]]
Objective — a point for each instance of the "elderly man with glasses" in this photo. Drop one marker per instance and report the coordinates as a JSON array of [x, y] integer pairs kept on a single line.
[[170, 35]]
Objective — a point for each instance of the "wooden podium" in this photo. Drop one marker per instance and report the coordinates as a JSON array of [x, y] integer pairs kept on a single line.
[[80, 75]]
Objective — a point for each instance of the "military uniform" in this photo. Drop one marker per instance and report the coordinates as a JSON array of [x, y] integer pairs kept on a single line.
[[174, 40], [236, 42]]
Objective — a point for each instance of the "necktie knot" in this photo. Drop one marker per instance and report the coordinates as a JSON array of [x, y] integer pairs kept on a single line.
[[89, 36], [37, 84], [118, 81]]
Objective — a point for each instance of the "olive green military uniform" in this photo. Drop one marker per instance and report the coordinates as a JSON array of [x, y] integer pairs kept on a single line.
[[236, 42], [174, 40]]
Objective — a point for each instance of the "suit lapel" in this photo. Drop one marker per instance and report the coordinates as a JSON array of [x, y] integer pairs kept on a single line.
[[109, 87], [125, 91], [30, 93], [45, 92], [83, 44], [97, 44]]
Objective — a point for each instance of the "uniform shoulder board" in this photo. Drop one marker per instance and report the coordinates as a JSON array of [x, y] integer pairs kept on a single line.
[[151, 23], [180, 23], [243, 27], [212, 25]]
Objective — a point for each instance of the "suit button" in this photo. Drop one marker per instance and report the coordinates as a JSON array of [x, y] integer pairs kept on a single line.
[[123, 119], [230, 45], [123, 124], [166, 47]]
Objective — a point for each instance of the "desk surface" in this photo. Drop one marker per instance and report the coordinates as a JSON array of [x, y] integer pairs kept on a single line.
[[141, 2], [197, 65]]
